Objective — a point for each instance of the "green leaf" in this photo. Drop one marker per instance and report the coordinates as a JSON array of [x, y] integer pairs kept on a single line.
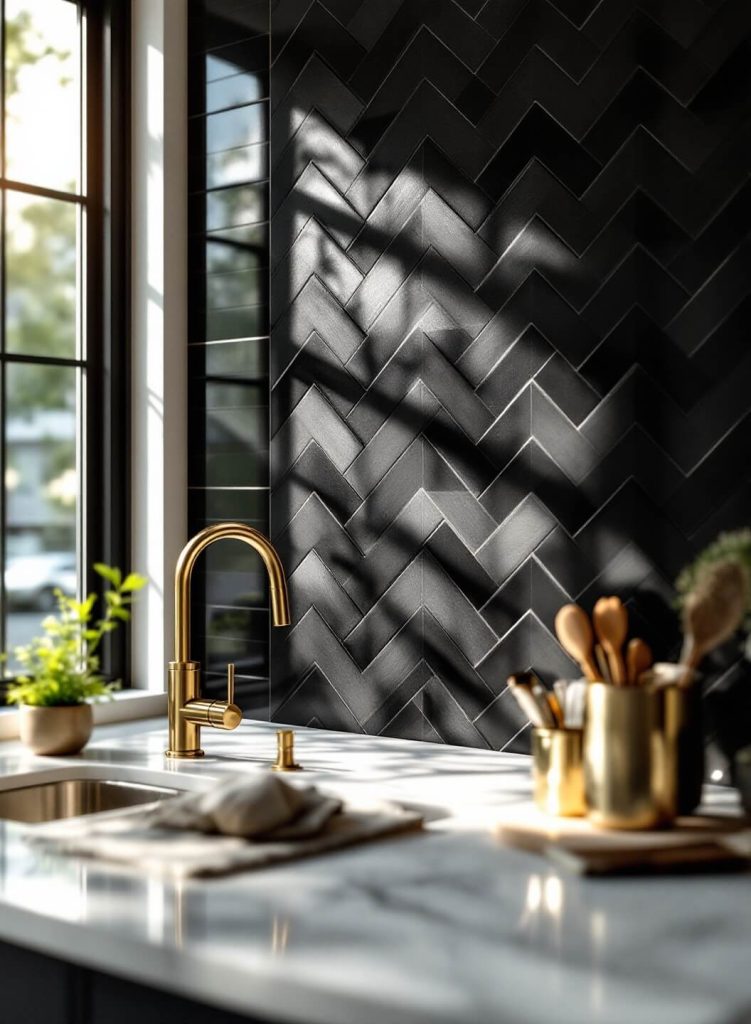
[[109, 573], [134, 581], [62, 666]]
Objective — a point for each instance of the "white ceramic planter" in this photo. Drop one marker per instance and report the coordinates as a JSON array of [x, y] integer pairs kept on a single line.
[[61, 730]]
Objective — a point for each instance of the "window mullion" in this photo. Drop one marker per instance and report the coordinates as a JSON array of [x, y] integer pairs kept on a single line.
[[45, 193]]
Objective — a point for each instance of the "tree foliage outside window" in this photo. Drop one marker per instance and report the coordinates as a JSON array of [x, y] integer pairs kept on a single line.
[[43, 355]]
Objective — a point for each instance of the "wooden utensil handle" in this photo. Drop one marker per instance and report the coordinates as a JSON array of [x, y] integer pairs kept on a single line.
[[602, 662], [590, 670], [617, 666]]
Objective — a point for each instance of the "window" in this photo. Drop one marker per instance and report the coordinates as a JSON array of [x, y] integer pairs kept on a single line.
[[62, 329]]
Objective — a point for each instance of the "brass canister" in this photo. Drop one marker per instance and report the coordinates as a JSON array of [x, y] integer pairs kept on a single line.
[[624, 757], [558, 772]]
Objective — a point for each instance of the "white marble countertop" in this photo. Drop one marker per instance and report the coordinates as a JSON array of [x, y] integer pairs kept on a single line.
[[447, 926]]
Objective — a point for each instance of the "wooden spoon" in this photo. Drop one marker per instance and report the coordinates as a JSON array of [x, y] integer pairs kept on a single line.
[[602, 663], [610, 620], [638, 659], [574, 632], [713, 610]]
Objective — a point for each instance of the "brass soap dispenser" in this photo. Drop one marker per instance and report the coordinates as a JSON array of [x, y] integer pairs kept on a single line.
[[187, 710]]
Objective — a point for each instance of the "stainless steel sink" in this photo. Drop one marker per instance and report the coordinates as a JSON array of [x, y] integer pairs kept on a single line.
[[70, 798]]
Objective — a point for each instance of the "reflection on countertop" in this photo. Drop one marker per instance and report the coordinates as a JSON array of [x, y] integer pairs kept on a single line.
[[446, 926]]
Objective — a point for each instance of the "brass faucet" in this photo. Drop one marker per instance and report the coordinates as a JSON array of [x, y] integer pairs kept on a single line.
[[187, 710]]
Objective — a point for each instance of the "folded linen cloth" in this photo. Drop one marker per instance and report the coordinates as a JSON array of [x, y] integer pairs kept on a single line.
[[246, 823], [253, 807]]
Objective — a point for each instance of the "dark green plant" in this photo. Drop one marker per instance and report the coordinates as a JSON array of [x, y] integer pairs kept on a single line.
[[62, 667]]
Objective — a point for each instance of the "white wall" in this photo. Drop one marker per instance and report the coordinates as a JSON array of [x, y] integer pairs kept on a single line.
[[159, 167]]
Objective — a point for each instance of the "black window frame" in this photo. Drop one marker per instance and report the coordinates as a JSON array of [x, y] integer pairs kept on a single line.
[[105, 415]]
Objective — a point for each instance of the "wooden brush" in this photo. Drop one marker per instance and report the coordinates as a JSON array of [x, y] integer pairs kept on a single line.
[[545, 702], [576, 698], [559, 689], [521, 688], [713, 610], [557, 708]]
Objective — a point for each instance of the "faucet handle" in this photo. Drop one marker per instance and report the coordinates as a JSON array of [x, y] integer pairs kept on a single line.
[[219, 714], [230, 683]]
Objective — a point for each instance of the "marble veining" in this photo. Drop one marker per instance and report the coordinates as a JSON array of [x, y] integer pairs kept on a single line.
[[447, 926]]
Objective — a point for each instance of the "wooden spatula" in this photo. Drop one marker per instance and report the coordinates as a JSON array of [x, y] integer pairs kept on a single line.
[[574, 632], [638, 659], [610, 620], [713, 610]]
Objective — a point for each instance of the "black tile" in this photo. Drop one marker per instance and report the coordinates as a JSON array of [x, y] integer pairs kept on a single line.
[[637, 340], [237, 166], [313, 471], [219, 22], [250, 54], [645, 103], [237, 248], [236, 207], [475, 99], [541, 137], [451, 554], [411, 723], [540, 25], [251, 693], [569, 391], [239, 322], [340, 50], [696, 263], [509, 267], [236, 90], [237, 288], [233, 129], [207, 506], [724, 97], [233, 575]]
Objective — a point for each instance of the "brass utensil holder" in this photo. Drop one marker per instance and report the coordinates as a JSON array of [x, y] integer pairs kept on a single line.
[[625, 757], [558, 771], [684, 748]]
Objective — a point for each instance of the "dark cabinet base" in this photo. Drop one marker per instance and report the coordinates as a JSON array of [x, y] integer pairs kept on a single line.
[[39, 989]]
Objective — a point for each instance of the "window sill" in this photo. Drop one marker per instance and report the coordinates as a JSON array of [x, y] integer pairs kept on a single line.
[[124, 707]]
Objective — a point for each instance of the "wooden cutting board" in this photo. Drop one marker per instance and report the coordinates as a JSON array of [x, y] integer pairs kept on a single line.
[[697, 843]]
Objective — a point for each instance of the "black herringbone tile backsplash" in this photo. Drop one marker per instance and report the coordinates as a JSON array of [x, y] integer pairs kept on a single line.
[[509, 364]]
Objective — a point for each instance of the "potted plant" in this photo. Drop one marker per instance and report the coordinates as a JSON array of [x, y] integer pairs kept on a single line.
[[728, 703], [60, 671]]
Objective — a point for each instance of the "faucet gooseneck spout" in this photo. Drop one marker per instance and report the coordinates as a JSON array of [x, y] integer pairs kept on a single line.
[[187, 710]]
